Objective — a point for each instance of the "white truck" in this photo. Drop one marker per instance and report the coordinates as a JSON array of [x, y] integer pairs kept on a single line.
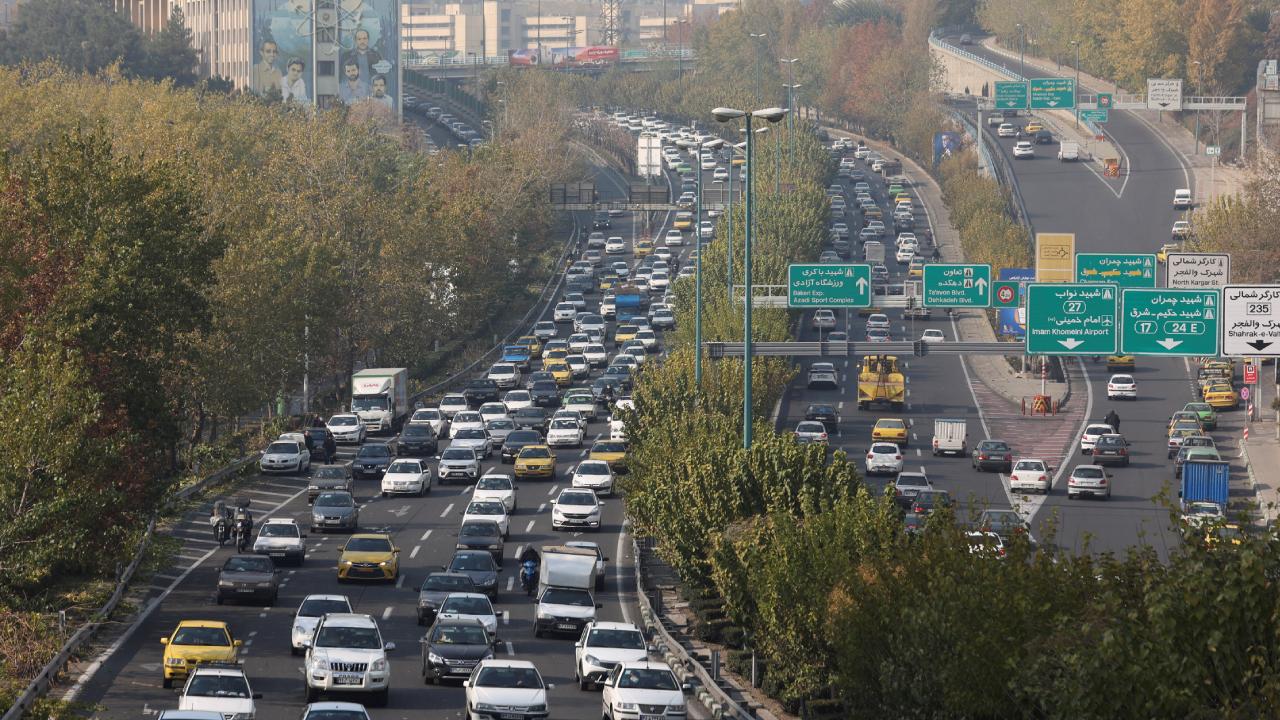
[[950, 436], [873, 252], [380, 396], [1182, 199], [566, 580], [1068, 151]]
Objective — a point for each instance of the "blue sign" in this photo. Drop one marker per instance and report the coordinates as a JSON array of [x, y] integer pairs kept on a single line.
[[1008, 318]]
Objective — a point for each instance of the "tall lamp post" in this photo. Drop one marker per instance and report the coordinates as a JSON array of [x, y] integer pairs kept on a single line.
[[1199, 91], [1022, 51], [791, 129], [1076, 43], [697, 273], [758, 36], [680, 24], [741, 148], [791, 65], [772, 115]]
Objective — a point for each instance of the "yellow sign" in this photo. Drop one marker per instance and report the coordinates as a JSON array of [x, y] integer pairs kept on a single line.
[[1055, 257]]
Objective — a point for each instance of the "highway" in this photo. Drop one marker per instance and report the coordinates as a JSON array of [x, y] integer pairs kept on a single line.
[[127, 684]]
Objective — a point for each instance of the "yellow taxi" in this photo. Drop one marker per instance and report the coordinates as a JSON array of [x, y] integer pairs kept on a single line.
[[624, 333], [1033, 127], [369, 556], [558, 353], [872, 214], [902, 202], [890, 430], [916, 268], [1221, 396], [613, 452], [607, 282], [1120, 362], [738, 160], [1185, 428], [531, 342], [194, 642], [560, 371], [1184, 416], [642, 248], [683, 221], [535, 461], [1162, 255]]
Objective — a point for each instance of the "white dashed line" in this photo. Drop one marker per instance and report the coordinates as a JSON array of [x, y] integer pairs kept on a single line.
[[529, 528], [425, 535], [917, 452], [447, 510], [511, 650], [400, 581], [553, 490], [840, 405], [542, 507], [511, 582], [506, 617], [386, 613], [414, 552], [914, 437]]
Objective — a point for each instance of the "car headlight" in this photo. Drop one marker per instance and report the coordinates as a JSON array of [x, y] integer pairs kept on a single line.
[[676, 707], [299, 630], [379, 665], [538, 708], [382, 564], [495, 547], [175, 661], [486, 707], [625, 706], [344, 563], [226, 583], [264, 584], [317, 517], [544, 615], [319, 665], [432, 657], [592, 659]]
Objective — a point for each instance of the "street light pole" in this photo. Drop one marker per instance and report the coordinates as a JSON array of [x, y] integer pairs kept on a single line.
[[758, 36], [539, 32], [1199, 91], [697, 274], [1077, 44], [1022, 51]]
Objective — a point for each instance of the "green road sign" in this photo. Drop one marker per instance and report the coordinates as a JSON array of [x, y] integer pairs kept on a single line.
[[1004, 293], [1123, 269], [1165, 321], [1071, 319], [1053, 93], [1011, 95], [829, 286], [957, 285], [1095, 116]]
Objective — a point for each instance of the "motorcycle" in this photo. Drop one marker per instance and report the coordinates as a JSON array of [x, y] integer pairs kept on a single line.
[[221, 521], [528, 576], [244, 531]]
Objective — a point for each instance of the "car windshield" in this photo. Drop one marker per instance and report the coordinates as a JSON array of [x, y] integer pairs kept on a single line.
[[1098, 430], [468, 416], [405, 466], [472, 561], [485, 508], [334, 500], [536, 453], [279, 530], [337, 636], [368, 545], [374, 451], [567, 596], [466, 605], [1091, 473], [503, 369], [212, 636], [283, 448], [593, 468], [416, 431], [458, 454], [368, 403], [500, 424], [1198, 407], [453, 400], [493, 482], [609, 447], [233, 686], [336, 714], [626, 639], [993, 447], [885, 449], [564, 424], [517, 396], [249, 564], [891, 424], [317, 607], [912, 480], [1105, 440], [423, 415], [460, 635], [1030, 465], [1122, 380], [444, 583], [577, 498], [470, 434], [508, 677], [342, 421], [646, 679], [479, 529], [523, 437]]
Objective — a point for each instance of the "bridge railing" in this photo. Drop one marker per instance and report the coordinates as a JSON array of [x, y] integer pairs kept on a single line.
[[463, 61]]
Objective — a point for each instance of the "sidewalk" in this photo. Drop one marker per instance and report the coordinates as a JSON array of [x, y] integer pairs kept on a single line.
[[1230, 180]]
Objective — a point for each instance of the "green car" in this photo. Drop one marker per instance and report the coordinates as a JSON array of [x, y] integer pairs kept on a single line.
[[684, 169], [894, 190], [1208, 416]]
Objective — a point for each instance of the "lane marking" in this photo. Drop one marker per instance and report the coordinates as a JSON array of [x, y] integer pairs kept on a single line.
[[553, 490], [400, 580], [425, 535], [542, 507], [511, 650], [447, 510], [414, 552], [386, 613], [529, 528], [511, 582]]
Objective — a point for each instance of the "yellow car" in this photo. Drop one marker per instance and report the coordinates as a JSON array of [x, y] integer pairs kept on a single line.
[[683, 221], [369, 556], [1220, 396], [560, 371], [555, 354], [1162, 255], [1033, 127], [738, 161], [1184, 416], [642, 248], [607, 282], [1120, 362], [531, 342], [613, 452], [624, 333], [194, 642], [1184, 428], [916, 269], [535, 461], [890, 430]]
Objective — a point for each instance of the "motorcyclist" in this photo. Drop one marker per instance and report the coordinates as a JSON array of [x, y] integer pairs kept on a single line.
[[1113, 420], [244, 527], [529, 562], [221, 520]]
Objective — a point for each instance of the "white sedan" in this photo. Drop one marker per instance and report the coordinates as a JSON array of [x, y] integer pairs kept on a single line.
[[594, 475], [720, 174], [493, 411], [505, 375], [1122, 386], [884, 458], [905, 253], [674, 237], [406, 476], [1030, 474], [1024, 149], [659, 281], [467, 420], [507, 683], [476, 439], [493, 510], [1006, 130], [286, 456], [575, 509], [517, 400], [615, 246], [564, 312], [308, 615], [347, 428], [641, 684], [433, 417], [1092, 432], [497, 486], [564, 433], [932, 335], [469, 606]]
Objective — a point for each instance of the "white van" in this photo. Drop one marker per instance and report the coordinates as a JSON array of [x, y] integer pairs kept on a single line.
[[950, 436], [1182, 199]]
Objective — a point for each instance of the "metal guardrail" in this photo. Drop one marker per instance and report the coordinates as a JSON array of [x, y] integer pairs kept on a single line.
[[626, 56], [1004, 174], [848, 349]]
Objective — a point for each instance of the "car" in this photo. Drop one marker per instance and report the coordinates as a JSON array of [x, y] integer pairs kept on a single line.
[[545, 393], [1120, 362], [1088, 480], [926, 501], [1111, 449], [308, 615], [1204, 412], [1122, 387], [535, 461], [602, 646], [438, 586], [824, 413], [878, 321], [408, 476], [248, 577], [499, 429], [1200, 514], [517, 440], [565, 433], [595, 475], [546, 330], [1221, 396], [615, 246], [581, 402], [985, 544], [1178, 436], [823, 374], [347, 428], [576, 508], [823, 319], [1193, 454], [286, 456], [993, 455], [459, 463], [663, 319], [476, 439], [883, 458], [315, 438], [1162, 255], [1005, 523], [505, 375], [485, 509], [810, 432], [516, 400], [585, 323], [347, 654], [369, 556], [194, 642], [1181, 230], [563, 313], [453, 647], [892, 430], [533, 343], [418, 440], [1030, 474], [480, 566], [642, 684], [451, 405], [907, 485], [335, 510], [532, 418], [281, 539], [498, 487], [904, 254], [600, 221], [579, 365], [877, 335], [1090, 436], [221, 689], [1043, 137], [372, 460], [480, 391], [475, 607], [1032, 127], [513, 685], [476, 534], [611, 451], [933, 335], [329, 477], [518, 355], [1006, 130]]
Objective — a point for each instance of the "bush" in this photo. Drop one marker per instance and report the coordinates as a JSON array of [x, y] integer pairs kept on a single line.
[[824, 709], [710, 630], [734, 636], [699, 605], [710, 614]]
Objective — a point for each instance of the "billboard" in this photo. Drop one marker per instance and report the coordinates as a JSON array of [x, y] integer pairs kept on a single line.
[[369, 42], [945, 143], [525, 58], [284, 54], [584, 56], [1012, 321]]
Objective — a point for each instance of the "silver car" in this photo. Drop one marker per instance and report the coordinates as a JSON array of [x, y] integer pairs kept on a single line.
[[459, 463], [809, 431], [335, 510], [1088, 480]]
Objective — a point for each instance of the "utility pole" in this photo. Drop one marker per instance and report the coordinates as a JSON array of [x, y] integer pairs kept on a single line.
[[1022, 51], [1199, 91], [1077, 45], [758, 36]]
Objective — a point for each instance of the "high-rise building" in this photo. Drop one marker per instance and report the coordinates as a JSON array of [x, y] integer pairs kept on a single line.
[[150, 15]]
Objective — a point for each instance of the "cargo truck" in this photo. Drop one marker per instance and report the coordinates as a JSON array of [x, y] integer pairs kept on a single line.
[[1205, 481], [566, 580], [628, 303], [1068, 152], [949, 436], [380, 396]]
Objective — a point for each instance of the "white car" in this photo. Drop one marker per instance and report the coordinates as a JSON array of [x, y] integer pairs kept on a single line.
[[1006, 130], [308, 615], [577, 300], [642, 684], [595, 354], [285, 456], [581, 402], [406, 476], [608, 306], [281, 538], [593, 475], [720, 174], [563, 313], [706, 229], [545, 330], [224, 690], [1088, 480], [435, 418], [457, 463], [1181, 229], [626, 359], [1024, 149], [470, 606], [517, 400], [347, 653], [467, 420], [451, 405], [565, 433], [649, 339], [475, 439], [906, 238], [659, 281], [505, 375], [932, 335], [1030, 474], [615, 246], [1092, 432], [572, 415], [878, 321], [1122, 387], [513, 685], [579, 365], [905, 253], [884, 458], [575, 509], [579, 341], [602, 646], [497, 486], [347, 428], [493, 411], [493, 510], [824, 319], [674, 237]]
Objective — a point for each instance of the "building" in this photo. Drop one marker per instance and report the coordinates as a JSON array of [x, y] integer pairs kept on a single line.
[[149, 15], [8, 13], [221, 31]]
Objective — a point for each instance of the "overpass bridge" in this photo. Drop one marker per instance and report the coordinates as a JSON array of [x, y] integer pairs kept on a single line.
[[456, 66]]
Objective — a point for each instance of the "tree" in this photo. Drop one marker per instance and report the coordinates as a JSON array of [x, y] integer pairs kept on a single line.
[[171, 53], [79, 34]]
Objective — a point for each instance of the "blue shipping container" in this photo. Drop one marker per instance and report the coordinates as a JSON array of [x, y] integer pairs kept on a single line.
[[1206, 480]]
